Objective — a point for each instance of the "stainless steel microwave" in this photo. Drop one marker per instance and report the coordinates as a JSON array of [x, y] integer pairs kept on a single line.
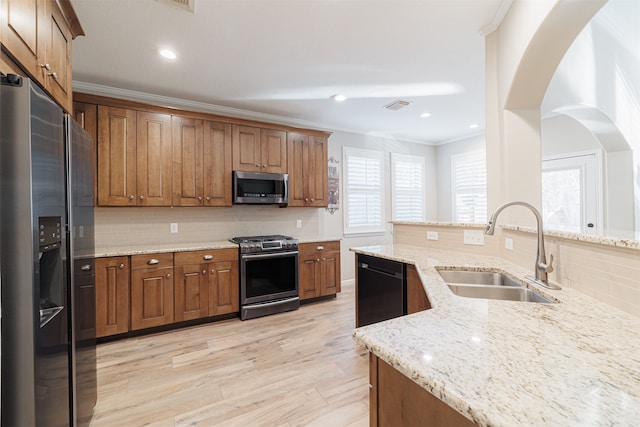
[[260, 188]]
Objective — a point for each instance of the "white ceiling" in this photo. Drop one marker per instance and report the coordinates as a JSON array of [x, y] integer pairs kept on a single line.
[[284, 59]]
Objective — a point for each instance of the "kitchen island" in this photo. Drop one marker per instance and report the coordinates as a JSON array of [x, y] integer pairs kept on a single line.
[[504, 363]]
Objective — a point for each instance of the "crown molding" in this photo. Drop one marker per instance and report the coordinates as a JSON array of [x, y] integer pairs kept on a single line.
[[497, 19], [203, 107], [200, 107]]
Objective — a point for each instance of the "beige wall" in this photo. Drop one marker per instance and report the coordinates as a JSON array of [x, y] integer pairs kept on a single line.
[[609, 274]]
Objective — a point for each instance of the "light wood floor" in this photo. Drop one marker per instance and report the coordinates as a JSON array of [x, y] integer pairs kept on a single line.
[[290, 369]]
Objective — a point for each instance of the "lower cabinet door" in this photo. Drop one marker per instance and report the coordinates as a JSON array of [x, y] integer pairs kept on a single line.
[[330, 273], [223, 288], [309, 276], [191, 291], [151, 297], [112, 296]]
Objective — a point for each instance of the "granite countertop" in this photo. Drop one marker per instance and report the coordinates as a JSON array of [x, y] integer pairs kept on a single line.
[[142, 249], [505, 363]]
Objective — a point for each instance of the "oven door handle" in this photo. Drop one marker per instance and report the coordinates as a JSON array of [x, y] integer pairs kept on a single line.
[[269, 255]]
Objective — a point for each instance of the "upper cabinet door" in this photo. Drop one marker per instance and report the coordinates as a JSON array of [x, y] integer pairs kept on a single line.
[[273, 149], [318, 175], [20, 31], [246, 148], [298, 161], [308, 170], [116, 157], [187, 142], [154, 163], [57, 58], [217, 164]]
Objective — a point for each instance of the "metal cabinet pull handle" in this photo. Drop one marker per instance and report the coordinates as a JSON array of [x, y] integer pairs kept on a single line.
[[141, 197], [121, 266], [204, 272], [213, 271], [153, 261], [54, 75], [208, 198], [320, 248], [324, 259], [168, 276], [317, 259], [312, 200], [131, 197], [207, 257], [46, 67], [86, 267], [264, 166], [257, 165], [199, 198]]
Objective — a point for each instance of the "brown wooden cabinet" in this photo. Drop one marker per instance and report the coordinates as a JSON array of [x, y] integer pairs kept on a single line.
[[319, 269], [206, 283], [259, 150], [134, 158], [112, 296], [152, 291], [416, 296], [224, 284], [38, 34], [308, 170], [396, 400], [201, 162]]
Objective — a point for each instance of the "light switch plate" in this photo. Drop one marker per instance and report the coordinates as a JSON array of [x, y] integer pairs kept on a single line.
[[432, 235], [474, 237], [298, 223], [174, 227]]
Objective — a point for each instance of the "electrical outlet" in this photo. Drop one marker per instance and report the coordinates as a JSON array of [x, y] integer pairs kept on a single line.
[[432, 235], [508, 243], [298, 223], [174, 227], [474, 237]]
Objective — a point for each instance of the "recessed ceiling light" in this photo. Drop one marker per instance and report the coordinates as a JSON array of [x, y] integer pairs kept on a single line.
[[474, 126], [427, 114], [168, 54], [338, 97]]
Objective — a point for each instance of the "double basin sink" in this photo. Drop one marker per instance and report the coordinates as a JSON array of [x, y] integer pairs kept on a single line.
[[489, 285]]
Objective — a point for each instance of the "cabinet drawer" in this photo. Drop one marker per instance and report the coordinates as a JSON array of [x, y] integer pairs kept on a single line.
[[308, 248], [199, 257], [151, 261]]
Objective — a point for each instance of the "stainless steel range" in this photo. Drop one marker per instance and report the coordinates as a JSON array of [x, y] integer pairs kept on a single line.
[[268, 275]]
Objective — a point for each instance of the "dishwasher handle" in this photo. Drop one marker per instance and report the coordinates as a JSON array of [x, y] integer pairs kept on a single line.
[[395, 275]]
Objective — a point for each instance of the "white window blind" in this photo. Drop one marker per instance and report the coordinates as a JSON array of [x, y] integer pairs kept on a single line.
[[407, 175], [469, 186], [364, 209]]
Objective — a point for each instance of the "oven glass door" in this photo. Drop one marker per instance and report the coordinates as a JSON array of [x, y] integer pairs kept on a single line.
[[266, 277]]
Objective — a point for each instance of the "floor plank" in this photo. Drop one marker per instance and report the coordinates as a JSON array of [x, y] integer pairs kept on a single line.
[[300, 368]]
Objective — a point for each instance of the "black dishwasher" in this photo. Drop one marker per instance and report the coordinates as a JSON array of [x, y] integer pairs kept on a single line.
[[381, 291]]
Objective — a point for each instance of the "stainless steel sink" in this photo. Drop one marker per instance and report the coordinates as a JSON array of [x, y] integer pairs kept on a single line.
[[509, 293], [477, 278], [489, 285]]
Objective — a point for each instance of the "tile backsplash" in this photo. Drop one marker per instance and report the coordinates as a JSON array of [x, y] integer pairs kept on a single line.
[[606, 273], [124, 226]]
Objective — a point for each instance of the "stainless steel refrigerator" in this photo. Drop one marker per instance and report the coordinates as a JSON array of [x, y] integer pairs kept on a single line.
[[46, 253]]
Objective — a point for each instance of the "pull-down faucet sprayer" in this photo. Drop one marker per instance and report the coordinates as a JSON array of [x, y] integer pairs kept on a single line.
[[542, 268]]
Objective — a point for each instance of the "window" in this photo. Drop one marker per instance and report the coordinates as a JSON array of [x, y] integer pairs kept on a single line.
[[407, 181], [469, 186], [571, 195], [364, 208]]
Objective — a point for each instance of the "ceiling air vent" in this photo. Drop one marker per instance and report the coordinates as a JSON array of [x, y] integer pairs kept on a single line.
[[189, 5], [397, 105]]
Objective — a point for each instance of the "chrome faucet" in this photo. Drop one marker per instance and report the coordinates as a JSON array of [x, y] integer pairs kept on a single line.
[[542, 268]]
